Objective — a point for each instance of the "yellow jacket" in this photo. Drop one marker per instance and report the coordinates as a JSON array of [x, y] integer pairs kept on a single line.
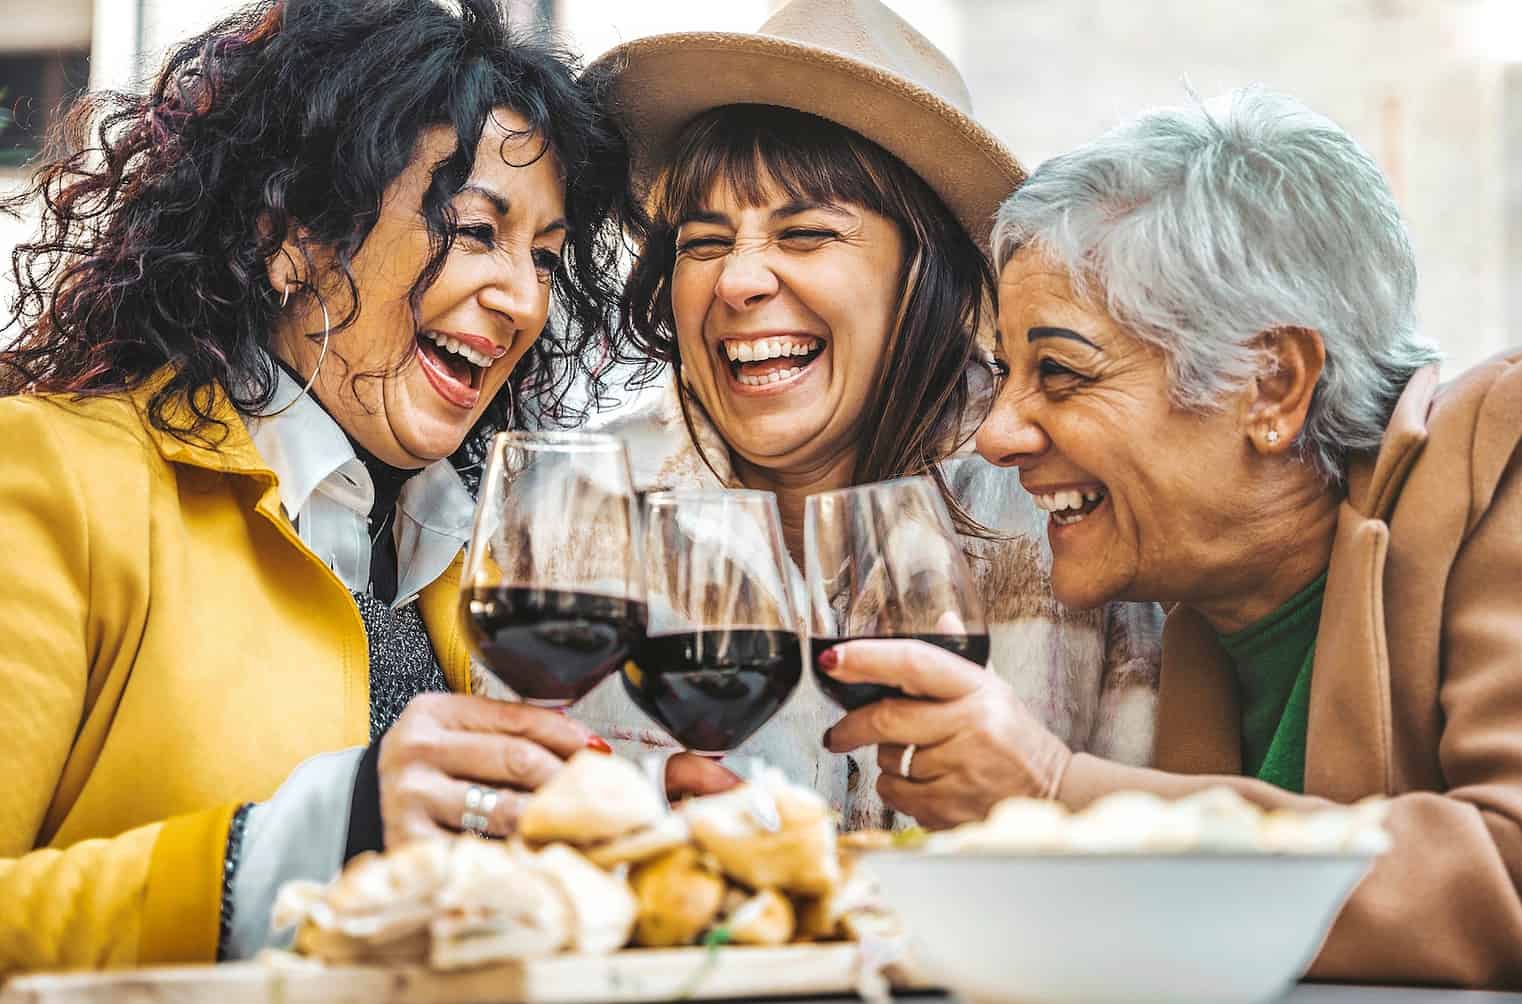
[[169, 649]]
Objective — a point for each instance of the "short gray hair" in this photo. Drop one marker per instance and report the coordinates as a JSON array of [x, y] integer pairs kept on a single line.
[[1200, 227]]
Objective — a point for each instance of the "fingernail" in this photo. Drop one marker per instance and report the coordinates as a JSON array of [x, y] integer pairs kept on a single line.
[[829, 658], [598, 743]]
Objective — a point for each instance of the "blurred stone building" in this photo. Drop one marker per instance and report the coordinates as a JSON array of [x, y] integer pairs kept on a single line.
[[1433, 88]]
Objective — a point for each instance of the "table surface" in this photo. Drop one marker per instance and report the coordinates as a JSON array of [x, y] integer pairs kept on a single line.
[[1302, 994], [1306, 993]]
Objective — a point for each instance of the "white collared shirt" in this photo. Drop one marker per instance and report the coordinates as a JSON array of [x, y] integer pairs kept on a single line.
[[327, 493]]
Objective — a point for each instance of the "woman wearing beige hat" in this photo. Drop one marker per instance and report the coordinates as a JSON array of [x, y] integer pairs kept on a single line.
[[813, 273]]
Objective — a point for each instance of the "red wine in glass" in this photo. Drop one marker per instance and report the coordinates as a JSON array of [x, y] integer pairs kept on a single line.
[[882, 560], [972, 647], [551, 646], [712, 690], [551, 598], [721, 652]]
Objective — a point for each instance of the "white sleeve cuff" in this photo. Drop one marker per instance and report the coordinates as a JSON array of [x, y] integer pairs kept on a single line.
[[299, 833]]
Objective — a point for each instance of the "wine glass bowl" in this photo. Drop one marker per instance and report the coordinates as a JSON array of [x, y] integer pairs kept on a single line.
[[883, 560], [551, 596], [721, 652]]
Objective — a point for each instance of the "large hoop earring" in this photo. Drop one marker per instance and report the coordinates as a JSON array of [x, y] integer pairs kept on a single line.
[[327, 333]]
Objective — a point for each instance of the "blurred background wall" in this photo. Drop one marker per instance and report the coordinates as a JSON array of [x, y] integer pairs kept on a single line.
[[1432, 88]]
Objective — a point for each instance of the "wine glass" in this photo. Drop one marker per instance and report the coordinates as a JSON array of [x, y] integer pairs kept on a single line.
[[721, 651], [883, 561], [551, 595]]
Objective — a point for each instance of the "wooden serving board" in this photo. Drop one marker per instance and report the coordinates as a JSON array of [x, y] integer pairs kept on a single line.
[[624, 977]]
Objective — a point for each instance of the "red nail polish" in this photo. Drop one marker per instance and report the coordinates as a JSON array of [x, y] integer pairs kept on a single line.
[[829, 659], [599, 744]]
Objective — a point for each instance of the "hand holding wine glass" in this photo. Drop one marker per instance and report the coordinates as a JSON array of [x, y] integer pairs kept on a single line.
[[966, 741], [550, 604], [443, 745], [883, 561]]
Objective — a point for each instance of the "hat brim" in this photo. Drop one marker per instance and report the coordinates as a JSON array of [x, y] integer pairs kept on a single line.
[[661, 82]]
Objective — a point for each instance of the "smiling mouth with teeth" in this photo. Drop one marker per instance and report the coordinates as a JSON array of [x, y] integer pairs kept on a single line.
[[758, 362], [1071, 506], [462, 362]]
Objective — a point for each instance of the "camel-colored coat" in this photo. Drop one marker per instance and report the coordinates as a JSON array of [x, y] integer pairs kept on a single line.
[[1416, 692]]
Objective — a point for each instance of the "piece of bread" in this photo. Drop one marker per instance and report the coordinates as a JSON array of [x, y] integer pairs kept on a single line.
[[377, 899], [799, 856], [337, 948], [669, 832], [766, 918], [375, 882], [820, 917], [592, 799], [602, 906], [497, 905], [679, 895], [294, 903]]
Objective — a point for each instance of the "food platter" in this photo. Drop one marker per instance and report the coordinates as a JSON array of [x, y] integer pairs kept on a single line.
[[633, 975], [605, 893]]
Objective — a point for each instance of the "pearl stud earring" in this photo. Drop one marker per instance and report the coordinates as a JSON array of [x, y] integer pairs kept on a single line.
[[1273, 436]]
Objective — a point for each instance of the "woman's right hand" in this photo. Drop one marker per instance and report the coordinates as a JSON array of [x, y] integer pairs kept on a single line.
[[443, 744]]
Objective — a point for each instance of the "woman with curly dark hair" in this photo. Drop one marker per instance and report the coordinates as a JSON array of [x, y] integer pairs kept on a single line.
[[275, 306]]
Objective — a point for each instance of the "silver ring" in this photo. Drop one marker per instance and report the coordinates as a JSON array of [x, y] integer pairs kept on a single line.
[[906, 761], [479, 803]]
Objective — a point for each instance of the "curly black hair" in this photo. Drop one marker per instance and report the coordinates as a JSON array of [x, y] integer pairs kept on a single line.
[[289, 119]]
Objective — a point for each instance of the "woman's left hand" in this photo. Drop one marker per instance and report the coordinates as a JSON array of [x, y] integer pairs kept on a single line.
[[975, 742]]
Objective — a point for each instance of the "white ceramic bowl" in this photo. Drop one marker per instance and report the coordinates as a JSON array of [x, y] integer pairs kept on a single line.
[[1042, 929]]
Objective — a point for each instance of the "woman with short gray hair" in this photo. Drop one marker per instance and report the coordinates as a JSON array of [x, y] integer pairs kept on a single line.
[[1213, 383], [1202, 231]]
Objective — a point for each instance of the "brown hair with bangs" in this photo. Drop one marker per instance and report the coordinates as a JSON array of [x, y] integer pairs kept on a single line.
[[917, 414]]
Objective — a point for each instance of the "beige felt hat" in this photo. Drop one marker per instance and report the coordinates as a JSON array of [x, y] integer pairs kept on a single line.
[[854, 62]]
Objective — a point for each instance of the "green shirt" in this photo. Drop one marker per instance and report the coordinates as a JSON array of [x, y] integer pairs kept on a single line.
[[1273, 663]]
